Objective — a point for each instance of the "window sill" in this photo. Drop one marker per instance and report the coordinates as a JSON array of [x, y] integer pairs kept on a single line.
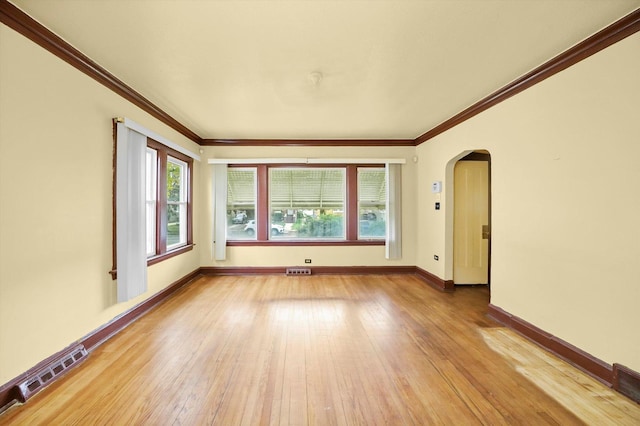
[[305, 243], [157, 259]]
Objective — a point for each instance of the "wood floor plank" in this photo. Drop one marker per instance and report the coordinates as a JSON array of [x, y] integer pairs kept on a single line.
[[322, 350]]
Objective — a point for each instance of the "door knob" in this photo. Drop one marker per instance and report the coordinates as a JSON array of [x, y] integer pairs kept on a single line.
[[485, 232]]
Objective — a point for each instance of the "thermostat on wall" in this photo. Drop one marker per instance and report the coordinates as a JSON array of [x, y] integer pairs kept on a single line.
[[436, 187]]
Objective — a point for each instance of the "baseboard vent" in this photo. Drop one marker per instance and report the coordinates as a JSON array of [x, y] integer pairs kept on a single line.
[[36, 382], [298, 271], [626, 381]]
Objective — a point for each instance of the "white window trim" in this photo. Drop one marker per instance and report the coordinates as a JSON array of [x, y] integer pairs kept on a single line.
[[294, 161], [130, 124]]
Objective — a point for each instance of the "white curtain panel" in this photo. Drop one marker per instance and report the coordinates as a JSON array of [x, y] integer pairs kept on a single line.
[[130, 213], [219, 211], [393, 241]]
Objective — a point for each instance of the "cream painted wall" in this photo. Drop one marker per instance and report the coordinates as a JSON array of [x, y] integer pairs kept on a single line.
[[55, 214], [566, 234], [320, 256]]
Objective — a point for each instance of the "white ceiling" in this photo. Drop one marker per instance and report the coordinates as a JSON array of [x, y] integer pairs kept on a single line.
[[320, 69]]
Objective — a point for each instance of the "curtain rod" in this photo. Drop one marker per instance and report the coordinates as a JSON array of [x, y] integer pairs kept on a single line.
[[307, 161], [153, 135]]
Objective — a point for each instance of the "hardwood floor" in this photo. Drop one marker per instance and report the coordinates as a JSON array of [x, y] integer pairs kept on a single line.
[[322, 350]]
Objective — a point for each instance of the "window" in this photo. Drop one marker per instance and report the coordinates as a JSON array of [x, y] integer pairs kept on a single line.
[[372, 200], [241, 204], [305, 204], [176, 203], [152, 210], [168, 200]]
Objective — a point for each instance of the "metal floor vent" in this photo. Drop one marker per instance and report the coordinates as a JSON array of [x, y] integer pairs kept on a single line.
[[42, 378], [298, 271], [626, 381]]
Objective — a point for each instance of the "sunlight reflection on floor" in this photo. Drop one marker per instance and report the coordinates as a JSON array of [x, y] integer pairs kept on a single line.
[[588, 399]]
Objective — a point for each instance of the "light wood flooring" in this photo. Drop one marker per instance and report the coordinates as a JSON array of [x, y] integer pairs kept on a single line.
[[322, 350]]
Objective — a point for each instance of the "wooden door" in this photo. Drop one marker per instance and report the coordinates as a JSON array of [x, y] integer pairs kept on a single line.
[[471, 223]]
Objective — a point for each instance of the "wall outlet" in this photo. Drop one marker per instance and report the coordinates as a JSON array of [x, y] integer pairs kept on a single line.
[[307, 261], [435, 257]]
